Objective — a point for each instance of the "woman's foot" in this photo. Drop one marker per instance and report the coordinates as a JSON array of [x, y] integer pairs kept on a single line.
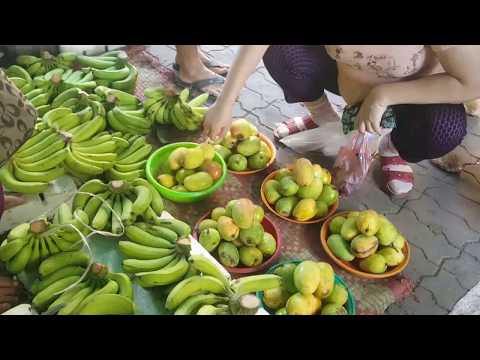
[[398, 175], [294, 125], [213, 65]]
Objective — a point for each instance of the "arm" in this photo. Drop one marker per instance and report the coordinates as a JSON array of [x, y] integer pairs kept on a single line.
[[219, 117], [459, 83]]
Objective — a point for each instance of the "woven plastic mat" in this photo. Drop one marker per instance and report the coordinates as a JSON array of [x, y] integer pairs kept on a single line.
[[299, 242]]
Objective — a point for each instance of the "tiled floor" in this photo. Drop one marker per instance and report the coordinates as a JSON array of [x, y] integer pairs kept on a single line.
[[440, 217]]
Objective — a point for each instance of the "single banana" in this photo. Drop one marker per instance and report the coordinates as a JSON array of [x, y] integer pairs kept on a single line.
[[74, 303], [143, 200], [90, 61], [47, 163], [127, 84], [206, 267], [39, 146], [66, 123], [89, 129], [11, 248], [52, 247], [57, 145], [19, 262], [165, 276], [107, 146], [111, 287], [48, 295], [38, 176], [27, 60], [109, 304], [126, 208], [159, 231], [58, 261], [194, 303], [142, 237], [131, 167], [9, 181], [138, 155], [57, 275], [18, 71], [93, 204], [112, 75], [130, 176], [255, 283], [100, 220], [55, 114], [186, 288], [93, 186], [125, 287], [74, 162], [135, 144], [137, 266], [66, 297], [19, 231], [131, 120], [136, 251]]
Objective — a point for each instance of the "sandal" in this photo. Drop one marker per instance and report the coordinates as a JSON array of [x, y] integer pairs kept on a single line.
[[210, 64], [294, 125], [452, 162], [200, 86], [398, 175]]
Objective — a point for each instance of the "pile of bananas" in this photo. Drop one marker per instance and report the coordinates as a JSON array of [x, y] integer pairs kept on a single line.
[[99, 292], [36, 163], [131, 160], [112, 70], [157, 254], [21, 78], [27, 244], [37, 66], [211, 293], [129, 200], [168, 108]]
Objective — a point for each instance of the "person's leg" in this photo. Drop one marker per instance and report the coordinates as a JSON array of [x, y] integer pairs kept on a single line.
[[303, 72], [192, 70], [422, 132], [9, 293]]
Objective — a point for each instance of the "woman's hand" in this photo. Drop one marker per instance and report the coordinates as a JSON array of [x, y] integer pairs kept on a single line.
[[217, 122], [371, 112], [12, 201]]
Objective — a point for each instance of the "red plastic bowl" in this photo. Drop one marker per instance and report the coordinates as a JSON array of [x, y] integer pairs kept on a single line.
[[269, 227]]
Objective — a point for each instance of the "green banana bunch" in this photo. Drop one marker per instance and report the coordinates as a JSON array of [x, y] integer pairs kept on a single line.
[[132, 157], [82, 79], [129, 121], [36, 163], [28, 244], [20, 78], [168, 108], [114, 97], [127, 84], [93, 156], [84, 295], [128, 200], [104, 61], [37, 66], [156, 255], [211, 287]]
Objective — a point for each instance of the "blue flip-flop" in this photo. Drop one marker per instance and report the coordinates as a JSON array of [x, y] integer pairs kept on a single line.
[[198, 87]]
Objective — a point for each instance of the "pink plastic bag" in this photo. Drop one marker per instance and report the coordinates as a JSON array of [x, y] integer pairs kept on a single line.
[[353, 162]]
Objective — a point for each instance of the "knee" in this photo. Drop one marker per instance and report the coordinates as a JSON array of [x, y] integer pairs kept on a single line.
[[294, 70], [429, 131]]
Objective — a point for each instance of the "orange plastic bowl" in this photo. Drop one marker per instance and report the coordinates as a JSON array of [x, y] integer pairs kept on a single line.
[[269, 227], [331, 210], [352, 267], [273, 150]]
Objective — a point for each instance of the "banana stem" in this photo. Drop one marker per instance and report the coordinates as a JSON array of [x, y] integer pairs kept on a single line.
[[39, 226], [99, 270], [245, 305], [119, 186], [184, 245]]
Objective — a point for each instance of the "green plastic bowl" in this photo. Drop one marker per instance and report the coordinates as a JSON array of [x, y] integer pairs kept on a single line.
[[350, 305], [161, 155]]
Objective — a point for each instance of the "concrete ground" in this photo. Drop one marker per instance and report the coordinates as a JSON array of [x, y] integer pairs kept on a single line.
[[439, 217]]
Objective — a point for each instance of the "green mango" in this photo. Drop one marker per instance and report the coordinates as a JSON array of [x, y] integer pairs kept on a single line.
[[271, 191], [217, 212], [252, 236], [288, 187], [182, 174], [336, 225], [250, 256], [207, 224], [282, 173], [329, 195], [268, 245], [228, 254], [198, 182], [258, 160], [285, 206], [387, 233], [311, 191], [222, 151], [338, 296], [349, 229], [333, 309], [237, 162], [249, 146], [286, 272], [340, 247], [209, 239], [375, 264], [393, 257]]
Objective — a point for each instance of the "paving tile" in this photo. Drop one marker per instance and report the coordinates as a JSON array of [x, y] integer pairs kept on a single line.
[[251, 100], [446, 289], [396, 309], [291, 110], [456, 204], [165, 54], [208, 48], [473, 125], [269, 116], [422, 303], [435, 246], [466, 269], [441, 222], [474, 249], [419, 265], [224, 55]]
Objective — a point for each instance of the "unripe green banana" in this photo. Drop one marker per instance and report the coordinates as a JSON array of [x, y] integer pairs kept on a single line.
[[206, 267], [186, 288], [109, 304], [17, 71], [34, 140], [137, 266], [181, 228], [39, 146], [255, 283], [58, 261], [19, 232], [142, 252], [93, 186], [131, 167], [128, 176], [9, 181], [111, 287], [9, 249], [74, 303], [47, 295], [124, 284], [57, 275], [192, 304], [19, 262], [157, 201], [159, 231], [100, 220], [142, 237], [57, 145], [94, 203], [143, 200], [52, 247], [73, 162], [164, 276], [45, 164], [67, 296], [90, 61]]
